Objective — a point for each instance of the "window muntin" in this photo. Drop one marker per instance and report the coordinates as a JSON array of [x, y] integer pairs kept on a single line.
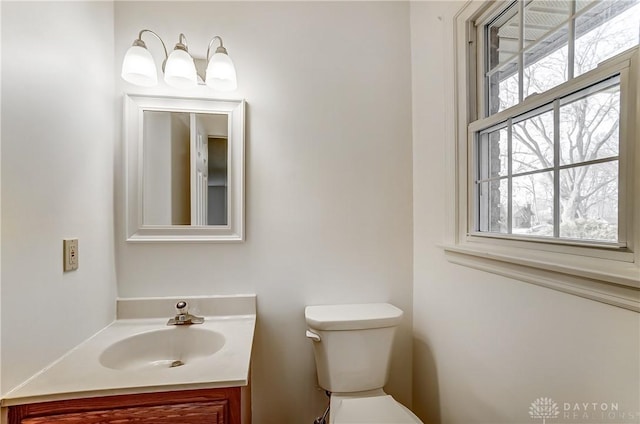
[[589, 125], [545, 65]]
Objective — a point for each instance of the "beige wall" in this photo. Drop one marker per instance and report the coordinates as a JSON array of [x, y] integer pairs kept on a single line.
[[486, 347], [328, 204], [180, 170], [57, 179]]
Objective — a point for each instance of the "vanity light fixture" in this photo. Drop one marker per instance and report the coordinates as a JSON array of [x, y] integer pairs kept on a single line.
[[178, 67]]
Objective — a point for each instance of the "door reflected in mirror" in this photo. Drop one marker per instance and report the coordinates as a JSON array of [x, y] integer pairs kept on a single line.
[[185, 157]]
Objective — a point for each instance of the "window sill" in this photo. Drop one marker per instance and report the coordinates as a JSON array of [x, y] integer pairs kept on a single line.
[[612, 282]]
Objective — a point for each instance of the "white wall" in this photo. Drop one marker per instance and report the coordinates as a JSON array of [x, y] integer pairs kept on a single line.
[[486, 347], [57, 176], [157, 199], [328, 204]]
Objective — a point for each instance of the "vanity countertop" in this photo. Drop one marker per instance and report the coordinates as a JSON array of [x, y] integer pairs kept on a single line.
[[80, 373]]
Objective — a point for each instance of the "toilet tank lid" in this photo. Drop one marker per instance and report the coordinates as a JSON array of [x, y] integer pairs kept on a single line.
[[352, 316]]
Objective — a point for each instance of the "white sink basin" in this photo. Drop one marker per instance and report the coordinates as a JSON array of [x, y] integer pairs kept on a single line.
[[170, 347], [135, 353]]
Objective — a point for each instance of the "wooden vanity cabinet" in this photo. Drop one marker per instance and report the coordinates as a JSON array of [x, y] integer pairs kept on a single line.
[[205, 406]]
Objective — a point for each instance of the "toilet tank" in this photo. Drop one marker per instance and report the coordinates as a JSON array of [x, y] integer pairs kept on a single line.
[[352, 344]]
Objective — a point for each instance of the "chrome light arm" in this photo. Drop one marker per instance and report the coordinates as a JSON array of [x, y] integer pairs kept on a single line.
[[140, 43], [220, 48]]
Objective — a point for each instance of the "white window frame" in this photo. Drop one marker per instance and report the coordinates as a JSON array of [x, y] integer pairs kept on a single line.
[[607, 274]]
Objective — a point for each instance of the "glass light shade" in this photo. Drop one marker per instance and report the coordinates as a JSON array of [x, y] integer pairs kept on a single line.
[[139, 68], [221, 74], [180, 71]]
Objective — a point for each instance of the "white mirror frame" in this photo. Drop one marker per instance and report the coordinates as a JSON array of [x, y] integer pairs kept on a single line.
[[134, 107]]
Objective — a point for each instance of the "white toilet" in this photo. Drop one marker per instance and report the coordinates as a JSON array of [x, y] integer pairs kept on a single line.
[[352, 346]]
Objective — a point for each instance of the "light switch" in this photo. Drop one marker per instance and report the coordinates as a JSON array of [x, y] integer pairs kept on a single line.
[[70, 248]]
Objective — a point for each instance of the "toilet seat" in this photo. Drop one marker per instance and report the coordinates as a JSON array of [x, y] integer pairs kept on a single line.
[[382, 409]]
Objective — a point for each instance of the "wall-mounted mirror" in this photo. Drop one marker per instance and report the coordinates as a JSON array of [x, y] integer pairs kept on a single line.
[[184, 169]]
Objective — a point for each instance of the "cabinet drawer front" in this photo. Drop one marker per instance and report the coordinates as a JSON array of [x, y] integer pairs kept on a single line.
[[183, 413]]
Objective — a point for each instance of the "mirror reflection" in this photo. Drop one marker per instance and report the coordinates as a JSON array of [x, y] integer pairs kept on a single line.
[[185, 168]]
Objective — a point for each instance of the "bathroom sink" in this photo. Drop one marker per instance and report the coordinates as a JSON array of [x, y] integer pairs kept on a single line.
[[165, 348], [140, 353]]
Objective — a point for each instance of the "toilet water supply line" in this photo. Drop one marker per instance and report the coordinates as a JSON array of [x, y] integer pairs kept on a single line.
[[323, 418]]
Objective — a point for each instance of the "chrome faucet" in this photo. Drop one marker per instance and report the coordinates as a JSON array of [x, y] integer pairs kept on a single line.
[[183, 317]]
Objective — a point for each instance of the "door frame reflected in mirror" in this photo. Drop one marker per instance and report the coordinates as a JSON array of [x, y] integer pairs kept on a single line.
[[136, 228]]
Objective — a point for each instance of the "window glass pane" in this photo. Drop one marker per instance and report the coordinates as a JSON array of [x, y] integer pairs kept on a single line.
[[589, 127], [533, 143], [493, 202], [604, 31], [545, 65], [541, 16], [502, 37], [498, 205], [581, 4], [498, 153], [503, 88], [589, 202], [533, 204], [482, 196], [493, 155], [483, 157], [502, 48]]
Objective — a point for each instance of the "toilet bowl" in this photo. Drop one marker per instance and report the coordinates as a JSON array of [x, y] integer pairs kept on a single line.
[[352, 347], [378, 408]]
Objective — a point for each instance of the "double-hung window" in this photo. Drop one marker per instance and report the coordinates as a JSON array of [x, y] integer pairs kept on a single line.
[[551, 144]]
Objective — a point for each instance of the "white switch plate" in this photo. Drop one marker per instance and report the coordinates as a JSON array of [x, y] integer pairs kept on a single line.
[[70, 248]]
